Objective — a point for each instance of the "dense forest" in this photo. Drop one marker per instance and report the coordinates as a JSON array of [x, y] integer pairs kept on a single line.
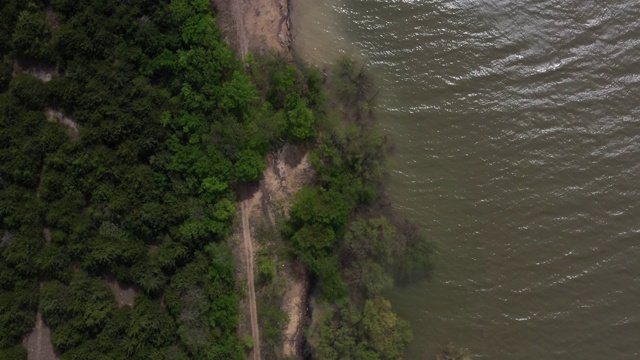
[[126, 128]]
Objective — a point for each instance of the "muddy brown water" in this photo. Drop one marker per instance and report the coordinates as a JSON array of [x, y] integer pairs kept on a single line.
[[517, 127]]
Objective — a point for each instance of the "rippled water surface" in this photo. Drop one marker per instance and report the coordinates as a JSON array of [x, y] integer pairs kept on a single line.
[[517, 126]]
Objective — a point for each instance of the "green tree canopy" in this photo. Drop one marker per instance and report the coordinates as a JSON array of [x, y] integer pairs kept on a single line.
[[31, 36], [249, 166], [373, 332]]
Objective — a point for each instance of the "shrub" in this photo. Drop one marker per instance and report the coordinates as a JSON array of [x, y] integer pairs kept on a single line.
[[266, 269], [249, 166], [29, 90], [31, 36], [450, 352]]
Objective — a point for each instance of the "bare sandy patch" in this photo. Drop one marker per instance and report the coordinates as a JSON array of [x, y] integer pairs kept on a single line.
[[125, 295], [6, 238], [255, 25], [287, 172], [52, 18], [38, 342], [295, 305], [43, 72], [46, 233], [68, 122]]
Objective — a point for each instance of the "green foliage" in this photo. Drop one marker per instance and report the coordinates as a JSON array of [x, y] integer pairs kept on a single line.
[[272, 319], [5, 73], [315, 205], [271, 289], [54, 259], [18, 206], [76, 312], [363, 253], [31, 36], [352, 159], [21, 251], [299, 119], [373, 247], [373, 332], [238, 94], [450, 352], [170, 254], [18, 303], [385, 332], [266, 269], [212, 187], [29, 90], [350, 242], [276, 78], [331, 283], [314, 243], [224, 303], [316, 221], [247, 342], [314, 84], [169, 122], [249, 166], [150, 326], [188, 302], [354, 88], [65, 6], [17, 352]]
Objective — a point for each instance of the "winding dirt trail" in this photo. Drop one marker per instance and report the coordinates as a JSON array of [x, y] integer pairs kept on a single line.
[[245, 212]]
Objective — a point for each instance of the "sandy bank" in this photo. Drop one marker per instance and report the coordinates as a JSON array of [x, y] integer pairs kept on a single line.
[[258, 26]]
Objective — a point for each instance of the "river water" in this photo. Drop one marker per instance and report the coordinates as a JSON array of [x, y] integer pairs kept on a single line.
[[517, 131]]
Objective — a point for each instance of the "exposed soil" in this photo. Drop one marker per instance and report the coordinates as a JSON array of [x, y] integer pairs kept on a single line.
[[43, 72], [287, 172], [255, 25], [240, 259], [295, 304], [125, 295], [6, 238], [64, 120], [246, 205], [52, 18], [46, 233], [38, 342]]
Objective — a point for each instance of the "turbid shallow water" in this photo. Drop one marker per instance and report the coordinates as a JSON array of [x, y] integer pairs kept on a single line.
[[517, 125]]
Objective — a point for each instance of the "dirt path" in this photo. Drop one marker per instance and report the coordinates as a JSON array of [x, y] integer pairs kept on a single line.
[[38, 342], [236, 11], [245, 212]]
